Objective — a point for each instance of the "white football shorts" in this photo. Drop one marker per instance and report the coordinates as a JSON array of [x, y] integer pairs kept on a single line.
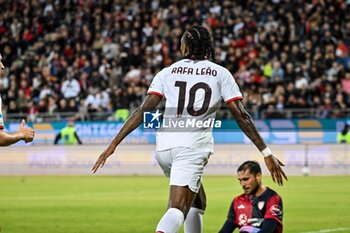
[[184, 165]]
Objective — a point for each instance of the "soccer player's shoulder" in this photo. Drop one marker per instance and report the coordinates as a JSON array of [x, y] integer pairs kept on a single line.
[[241, 197], [222, 70], [164, 72], [270, 192]]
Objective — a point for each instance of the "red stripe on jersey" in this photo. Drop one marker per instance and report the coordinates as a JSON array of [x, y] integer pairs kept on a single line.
[[155, 93], [234, 98], [243, 210], [274, 209]]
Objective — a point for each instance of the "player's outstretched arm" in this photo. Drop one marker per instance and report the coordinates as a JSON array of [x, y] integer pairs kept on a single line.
[[23, 133], [245, 122], [149, 104]]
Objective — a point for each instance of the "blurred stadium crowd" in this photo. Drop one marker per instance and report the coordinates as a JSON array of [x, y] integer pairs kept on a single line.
[[97, 58]]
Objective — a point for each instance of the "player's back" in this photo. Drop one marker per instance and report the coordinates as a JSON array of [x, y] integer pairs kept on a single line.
[[194, 83], [193, 91]]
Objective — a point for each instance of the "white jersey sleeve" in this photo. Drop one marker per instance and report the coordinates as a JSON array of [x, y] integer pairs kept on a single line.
[[156, 86], [229, 88]]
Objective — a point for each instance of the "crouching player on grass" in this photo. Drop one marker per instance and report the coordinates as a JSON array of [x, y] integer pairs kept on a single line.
[[258, 209]]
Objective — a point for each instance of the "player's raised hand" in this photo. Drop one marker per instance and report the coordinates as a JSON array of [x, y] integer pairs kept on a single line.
[[28, 133], [274, 166], [102, 159]]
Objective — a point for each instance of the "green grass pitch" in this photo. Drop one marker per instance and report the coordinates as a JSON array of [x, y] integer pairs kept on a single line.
[[108, 204]]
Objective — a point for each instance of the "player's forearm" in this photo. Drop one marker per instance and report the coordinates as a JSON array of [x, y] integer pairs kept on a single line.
[[245, 122], [7, 139], [149, 104], [130, 124], [249, 129]]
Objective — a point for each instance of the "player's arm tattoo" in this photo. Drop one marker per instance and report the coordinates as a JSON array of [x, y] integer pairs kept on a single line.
[[135, 119], [245, 122]]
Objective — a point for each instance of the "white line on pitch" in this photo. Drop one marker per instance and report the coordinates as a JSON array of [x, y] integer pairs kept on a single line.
[[329, 230]]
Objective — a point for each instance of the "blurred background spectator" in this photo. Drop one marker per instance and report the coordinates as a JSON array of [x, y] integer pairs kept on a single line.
[[94, 60], [68, 135]]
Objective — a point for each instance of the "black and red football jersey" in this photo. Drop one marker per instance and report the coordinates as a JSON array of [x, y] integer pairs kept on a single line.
[[245, 211]]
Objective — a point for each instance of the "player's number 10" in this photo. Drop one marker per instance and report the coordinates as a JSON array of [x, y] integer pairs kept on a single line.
[[190, 107]]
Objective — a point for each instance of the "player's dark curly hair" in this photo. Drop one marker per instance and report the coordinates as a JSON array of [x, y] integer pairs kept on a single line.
[[199, 42], [252, 166]]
